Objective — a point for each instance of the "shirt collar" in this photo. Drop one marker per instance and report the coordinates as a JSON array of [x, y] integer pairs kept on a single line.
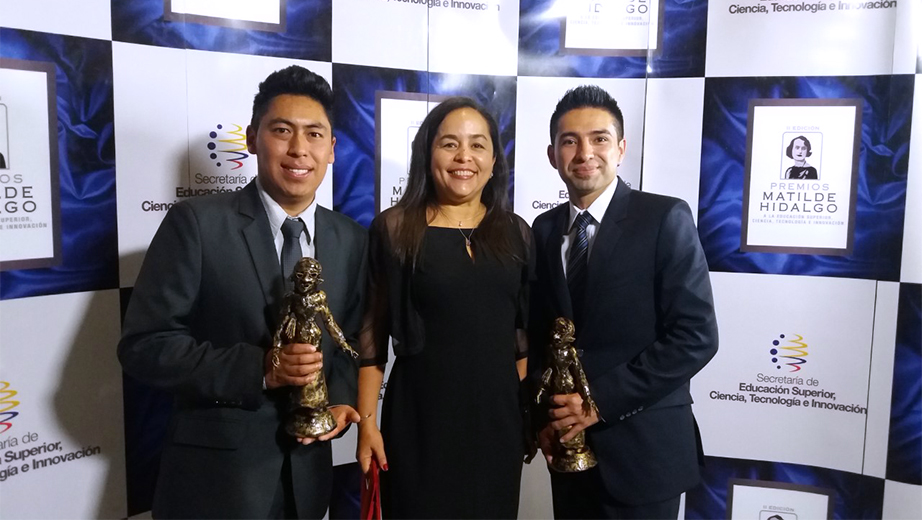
[[598, 207], [277, 215]]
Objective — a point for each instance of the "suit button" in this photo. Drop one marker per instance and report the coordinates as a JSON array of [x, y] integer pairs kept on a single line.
[[640, 408], [622, 418]]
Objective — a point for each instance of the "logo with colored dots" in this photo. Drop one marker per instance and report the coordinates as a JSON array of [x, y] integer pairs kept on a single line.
[[789, 351], [228, 147], [7, 405]]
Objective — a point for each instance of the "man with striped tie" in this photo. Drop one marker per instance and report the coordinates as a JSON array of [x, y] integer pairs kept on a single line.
[[628, 268]]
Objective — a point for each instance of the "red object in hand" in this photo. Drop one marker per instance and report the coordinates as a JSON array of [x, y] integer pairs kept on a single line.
[[371, 494]]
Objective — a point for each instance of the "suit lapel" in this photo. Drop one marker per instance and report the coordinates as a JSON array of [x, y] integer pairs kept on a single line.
[[258, 237], [553, 244], [610, 231], [327, 235]]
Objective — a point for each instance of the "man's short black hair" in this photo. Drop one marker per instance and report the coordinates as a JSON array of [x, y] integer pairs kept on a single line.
[[587, 96], [292, 80], [789, 151]]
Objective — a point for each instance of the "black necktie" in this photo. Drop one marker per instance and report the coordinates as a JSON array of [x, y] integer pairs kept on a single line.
[[291, 248], [577, 261]]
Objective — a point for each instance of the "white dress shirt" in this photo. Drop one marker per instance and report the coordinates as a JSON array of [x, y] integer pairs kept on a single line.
[[596, 210], [277, 217]]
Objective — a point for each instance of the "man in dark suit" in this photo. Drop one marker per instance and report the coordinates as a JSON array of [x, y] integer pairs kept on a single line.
[[206, 302], [628, 268]]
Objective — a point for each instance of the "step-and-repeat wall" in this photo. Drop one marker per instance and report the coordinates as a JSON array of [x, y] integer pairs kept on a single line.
[[113, 110]]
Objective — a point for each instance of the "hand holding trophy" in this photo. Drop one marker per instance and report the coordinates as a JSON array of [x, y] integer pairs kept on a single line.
[[310, 417], [564, 375]]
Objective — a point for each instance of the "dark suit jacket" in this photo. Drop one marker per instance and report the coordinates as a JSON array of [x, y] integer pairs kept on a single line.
[[649, 326], [198, 325]]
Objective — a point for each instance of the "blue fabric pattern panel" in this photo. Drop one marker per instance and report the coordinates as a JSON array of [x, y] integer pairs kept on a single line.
[[684, 38], [855, 496], [86, 149], [904, 452], [882, 170], [308, 30]]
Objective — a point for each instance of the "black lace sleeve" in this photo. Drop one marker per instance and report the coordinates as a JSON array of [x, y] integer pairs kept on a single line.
[[382, 265], [528, 276]]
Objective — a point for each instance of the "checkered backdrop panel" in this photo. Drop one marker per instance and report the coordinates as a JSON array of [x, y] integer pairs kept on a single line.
[[113, 110]]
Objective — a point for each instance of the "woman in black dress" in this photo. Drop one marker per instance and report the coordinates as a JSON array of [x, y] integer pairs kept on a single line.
[[449, 272]]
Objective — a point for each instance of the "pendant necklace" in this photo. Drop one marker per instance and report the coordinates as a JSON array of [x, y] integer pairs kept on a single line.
[[467, 238]]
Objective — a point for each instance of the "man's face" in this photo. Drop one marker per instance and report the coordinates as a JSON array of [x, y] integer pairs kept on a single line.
[[799, 150], [293, 146], [586, 153]]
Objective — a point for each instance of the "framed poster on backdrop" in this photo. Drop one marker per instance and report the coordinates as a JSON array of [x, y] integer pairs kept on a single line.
[[30, 209], [612, 28], [766, 500], [398, 116], [261, 15], [801, 176]]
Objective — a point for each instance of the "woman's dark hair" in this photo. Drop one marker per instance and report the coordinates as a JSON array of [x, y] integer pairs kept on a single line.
[[494, 235], [790, 149]]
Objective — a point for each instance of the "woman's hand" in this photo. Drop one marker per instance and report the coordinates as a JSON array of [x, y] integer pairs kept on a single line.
[[370, 445]]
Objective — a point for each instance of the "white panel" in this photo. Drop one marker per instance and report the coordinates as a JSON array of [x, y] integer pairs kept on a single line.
[[672, 138], [365, 33], [400, 116], [538, 187], [880, 389], [159, 164], [907, 48], [753, 500], [902, 501], [823, 329], [474, 37], [221, 87], [59, 357], [911, 271], [151, 144], [88, 18], [799, 42], [461, 37]]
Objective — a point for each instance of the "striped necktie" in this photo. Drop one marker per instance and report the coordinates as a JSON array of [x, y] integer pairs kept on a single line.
[[577, 261]]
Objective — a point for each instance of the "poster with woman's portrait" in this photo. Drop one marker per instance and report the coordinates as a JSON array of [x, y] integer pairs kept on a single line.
[[4, 140], [29, 183], [768, 500], [801, 176]]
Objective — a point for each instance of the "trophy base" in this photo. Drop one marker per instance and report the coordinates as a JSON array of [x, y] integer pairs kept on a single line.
[[574, 461], [307, 423]]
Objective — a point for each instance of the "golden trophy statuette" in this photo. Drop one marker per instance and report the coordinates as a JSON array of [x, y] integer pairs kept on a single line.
[[310, 416], [564, 375]]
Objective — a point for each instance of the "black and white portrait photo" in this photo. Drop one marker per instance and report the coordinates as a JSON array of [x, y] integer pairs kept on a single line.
[[798, 153]]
